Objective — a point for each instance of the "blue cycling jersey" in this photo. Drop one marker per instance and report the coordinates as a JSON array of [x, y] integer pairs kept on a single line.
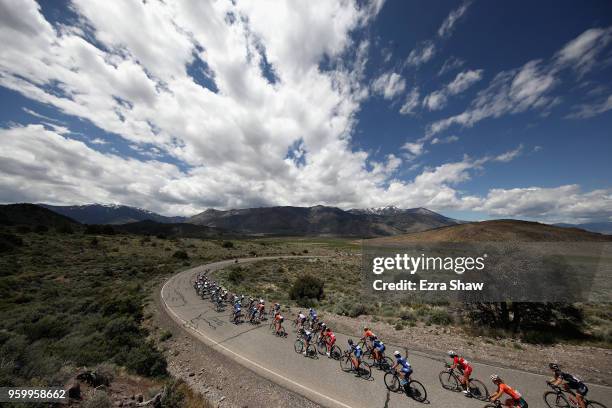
[[357, 351], [379, 345], [403, 362]]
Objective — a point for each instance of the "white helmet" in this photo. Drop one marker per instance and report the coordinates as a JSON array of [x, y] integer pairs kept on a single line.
[[397, 353], [451, 353], [495, 378]]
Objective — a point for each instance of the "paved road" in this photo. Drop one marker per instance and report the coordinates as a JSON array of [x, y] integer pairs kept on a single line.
[[322, 380]]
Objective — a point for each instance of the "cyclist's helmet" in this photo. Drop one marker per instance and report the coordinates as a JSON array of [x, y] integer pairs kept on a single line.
[[451, 353], [495, 378], [323, 325], [350, 342], [276, 304], [553, 366], [366, 328], [397, 353]]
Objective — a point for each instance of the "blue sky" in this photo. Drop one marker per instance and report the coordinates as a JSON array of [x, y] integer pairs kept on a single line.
[[475, 109]]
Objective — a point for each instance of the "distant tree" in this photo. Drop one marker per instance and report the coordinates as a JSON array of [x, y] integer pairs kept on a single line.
[[236, 275], [227, 244], [180, 254], [306, 290]]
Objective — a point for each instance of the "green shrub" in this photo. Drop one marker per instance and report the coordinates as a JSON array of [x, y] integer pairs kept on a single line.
[[227, 244], [440, 317], [180, 254], [307, 290], [99, 399], [236, 275], [144, 360], [166, 335]]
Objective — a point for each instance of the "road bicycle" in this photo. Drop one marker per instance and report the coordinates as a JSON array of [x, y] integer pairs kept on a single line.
[[367, 349], [559, 398], [413, 388], [347, 365], [383, 362], [281, 333], [449, 379], [311, 352], [236, 318], [334, 352]]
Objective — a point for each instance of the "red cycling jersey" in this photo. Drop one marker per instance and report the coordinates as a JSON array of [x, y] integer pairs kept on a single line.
[[462, 362]]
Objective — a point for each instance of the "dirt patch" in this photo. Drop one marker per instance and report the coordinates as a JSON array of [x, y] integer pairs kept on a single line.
[[219, 379]]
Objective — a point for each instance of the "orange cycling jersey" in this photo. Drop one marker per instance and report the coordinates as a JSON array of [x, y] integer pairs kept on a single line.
[[368, 334], [278, 317], [462, 362], [514, 394]]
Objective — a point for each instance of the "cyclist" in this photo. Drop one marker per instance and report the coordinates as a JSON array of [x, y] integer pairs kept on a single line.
[[406, 369], [379, 349], [300, 320], [464, 367], [278, 322], [515, 400], [330, 340], [313, 317], [261, 308], [368, 337], [356, 352], [237, 309], [307, 336], [570, 383]]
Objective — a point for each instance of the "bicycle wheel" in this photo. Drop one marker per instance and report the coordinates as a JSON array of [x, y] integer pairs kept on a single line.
[[298, 346], [335, 353], [595, 404], [322, 348], [365, 370], [392, 381], [385, 364], [449, 381], [417, 391], [311, 352], [555, 400], [479, 390], [346, 364]]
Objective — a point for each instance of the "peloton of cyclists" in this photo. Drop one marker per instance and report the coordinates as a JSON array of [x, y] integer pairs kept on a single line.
[[465, 368], [569, 382]]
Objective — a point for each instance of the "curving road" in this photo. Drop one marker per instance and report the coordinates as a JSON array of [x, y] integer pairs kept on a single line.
[[321, 380]]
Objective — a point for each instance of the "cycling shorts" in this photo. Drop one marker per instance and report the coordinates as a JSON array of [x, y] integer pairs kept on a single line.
[[582, 389], [358, 353], [406, 371], [520, 403], [381, 348], [331, 340], [467, 371]]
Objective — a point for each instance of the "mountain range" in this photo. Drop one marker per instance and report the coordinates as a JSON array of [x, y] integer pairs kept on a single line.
[[109, 214], [297, 221], [601, 227]]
